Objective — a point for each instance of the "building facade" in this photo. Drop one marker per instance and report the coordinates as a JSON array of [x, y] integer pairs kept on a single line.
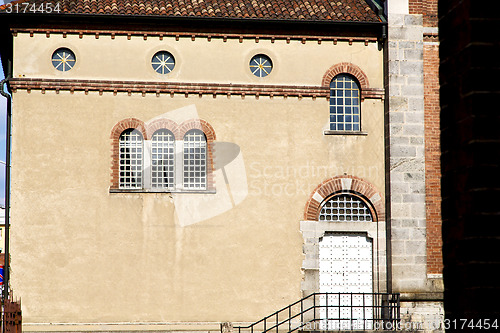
[[180, 165]]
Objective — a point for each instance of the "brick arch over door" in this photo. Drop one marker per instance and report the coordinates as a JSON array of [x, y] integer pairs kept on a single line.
[[346, 68], [344, 184]]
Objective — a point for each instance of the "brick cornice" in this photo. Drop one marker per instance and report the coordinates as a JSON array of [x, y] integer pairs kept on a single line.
[[97, 33], [158, 88]]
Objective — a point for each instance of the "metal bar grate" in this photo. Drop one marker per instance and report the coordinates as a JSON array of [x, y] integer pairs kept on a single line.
[[333, 311]]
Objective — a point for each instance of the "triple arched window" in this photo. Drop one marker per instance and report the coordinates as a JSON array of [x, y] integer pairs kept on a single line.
[[163, 163], [345, 104]]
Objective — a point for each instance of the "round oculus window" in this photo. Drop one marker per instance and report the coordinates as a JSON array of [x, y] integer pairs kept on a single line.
[[63, 59], [261, 65], [163, 62]]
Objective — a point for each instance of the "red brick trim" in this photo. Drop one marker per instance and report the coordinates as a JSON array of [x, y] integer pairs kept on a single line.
[[163, 124], [197, 124], [115, 150], [186, 89], [194, 35], [432, 160], [427, 8], [169, 88], [348, 68], [340, 184], [148, 130]]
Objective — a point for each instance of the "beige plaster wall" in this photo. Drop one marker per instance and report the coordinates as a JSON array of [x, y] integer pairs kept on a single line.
[[196, 61], [83, 254]]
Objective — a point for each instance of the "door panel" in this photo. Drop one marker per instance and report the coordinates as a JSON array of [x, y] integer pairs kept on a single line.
[[345, 266]]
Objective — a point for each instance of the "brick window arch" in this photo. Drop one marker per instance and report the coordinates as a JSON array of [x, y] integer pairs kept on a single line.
[[131, 145], [345, 185], [168, 124], [195, 159], [116, 132], [209, 132], [163, 159], [346, 68]]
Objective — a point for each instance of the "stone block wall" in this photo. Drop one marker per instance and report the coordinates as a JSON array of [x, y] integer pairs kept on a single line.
[[407, 153], [413, 166]]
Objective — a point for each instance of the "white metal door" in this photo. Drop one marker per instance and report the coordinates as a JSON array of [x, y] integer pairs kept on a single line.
[[345, 266]]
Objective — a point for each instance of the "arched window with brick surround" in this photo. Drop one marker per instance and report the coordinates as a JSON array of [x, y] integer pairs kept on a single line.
[[195, 160], [131, 157], [345, 104], [163, 159]]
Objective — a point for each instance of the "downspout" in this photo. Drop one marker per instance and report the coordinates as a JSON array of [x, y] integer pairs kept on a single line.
[[4, 93], [388, 219]]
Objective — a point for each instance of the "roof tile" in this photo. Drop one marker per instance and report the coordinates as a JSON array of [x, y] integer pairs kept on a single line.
[[315, 10]]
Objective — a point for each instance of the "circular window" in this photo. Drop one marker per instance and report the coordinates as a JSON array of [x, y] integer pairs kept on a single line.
[[163, 62], [63, 59], [261, 65]]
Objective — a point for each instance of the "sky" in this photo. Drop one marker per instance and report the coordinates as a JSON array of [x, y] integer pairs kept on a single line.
[[3, 113]]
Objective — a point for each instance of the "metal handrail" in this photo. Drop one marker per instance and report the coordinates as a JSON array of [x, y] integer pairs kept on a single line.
[[385, 309], [274, 313]]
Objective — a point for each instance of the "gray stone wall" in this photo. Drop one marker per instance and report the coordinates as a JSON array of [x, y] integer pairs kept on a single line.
[[422, 317], [407, 153]]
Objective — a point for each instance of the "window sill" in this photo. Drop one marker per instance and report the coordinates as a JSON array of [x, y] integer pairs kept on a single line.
[[330, 132], [145, 190]]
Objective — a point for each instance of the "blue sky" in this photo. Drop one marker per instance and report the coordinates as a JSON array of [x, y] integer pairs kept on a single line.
[[3, 108]]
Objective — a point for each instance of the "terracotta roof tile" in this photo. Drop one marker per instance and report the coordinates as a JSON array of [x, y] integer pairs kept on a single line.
[[315, 10]]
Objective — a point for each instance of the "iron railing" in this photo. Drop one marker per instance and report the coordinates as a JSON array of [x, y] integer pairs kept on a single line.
[[11, 316], [332, 311]]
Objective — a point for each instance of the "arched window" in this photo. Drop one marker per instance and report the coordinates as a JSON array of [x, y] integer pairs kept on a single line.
[[345, 208], [344, 104], [195, 160], [131, 154], [162, 159]]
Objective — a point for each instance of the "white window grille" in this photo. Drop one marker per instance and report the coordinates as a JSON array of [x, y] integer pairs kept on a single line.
[[344, 104], [195, 160], [131, 155], [162, 159], [345, 208]]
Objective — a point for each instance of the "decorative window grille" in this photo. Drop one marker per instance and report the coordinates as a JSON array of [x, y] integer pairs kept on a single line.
[[131, 155], [195, 160], [344, 104], [162, 159], [163, 62], [261, 65], [63, 59], [345, 208]]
